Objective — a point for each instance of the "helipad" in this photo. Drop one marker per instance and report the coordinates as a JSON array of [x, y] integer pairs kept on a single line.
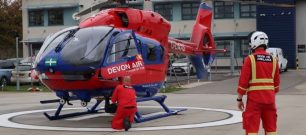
[[28, 120]]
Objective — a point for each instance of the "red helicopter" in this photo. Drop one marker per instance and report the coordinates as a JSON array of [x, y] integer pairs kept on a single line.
[[84, 62]]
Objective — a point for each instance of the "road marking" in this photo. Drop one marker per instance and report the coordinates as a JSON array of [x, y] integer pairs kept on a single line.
[[234, 117], [196, 84]]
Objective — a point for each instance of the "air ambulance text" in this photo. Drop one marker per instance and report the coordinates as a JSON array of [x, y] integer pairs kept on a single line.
[[124, 67]]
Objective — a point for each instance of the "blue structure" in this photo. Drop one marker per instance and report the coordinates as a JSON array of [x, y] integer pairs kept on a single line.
[[159, 99], [279, 24]]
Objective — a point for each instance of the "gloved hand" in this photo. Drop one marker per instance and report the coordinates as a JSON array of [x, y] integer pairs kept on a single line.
[[240, 105]]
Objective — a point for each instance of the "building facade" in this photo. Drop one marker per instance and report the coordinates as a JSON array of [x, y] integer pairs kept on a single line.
[[41, 18], [231, 24], [301, 33]]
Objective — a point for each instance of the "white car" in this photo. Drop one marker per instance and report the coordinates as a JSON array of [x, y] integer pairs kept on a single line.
[[180, 67], [278, 54], [25, 74]]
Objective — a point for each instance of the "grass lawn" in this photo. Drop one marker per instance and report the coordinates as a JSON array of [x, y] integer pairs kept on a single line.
[[23, 88]]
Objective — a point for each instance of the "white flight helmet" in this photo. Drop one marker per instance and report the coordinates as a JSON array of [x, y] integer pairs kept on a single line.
[[257, 39]]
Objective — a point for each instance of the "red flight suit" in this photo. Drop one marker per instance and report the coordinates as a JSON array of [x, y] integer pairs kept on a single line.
[[126, 98], [259, 79]]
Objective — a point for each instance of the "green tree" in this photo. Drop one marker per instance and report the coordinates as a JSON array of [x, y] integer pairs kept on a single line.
[[10, 20]]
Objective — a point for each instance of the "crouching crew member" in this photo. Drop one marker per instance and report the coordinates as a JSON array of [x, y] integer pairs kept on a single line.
[[125, 96], [259, 79]]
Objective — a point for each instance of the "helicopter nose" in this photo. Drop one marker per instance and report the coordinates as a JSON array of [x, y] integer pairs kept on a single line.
[[47, 63], [50, 64]]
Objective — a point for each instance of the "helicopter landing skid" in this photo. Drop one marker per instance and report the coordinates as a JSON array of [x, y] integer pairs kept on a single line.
[[57, 115], [139, 118], [159, 99]]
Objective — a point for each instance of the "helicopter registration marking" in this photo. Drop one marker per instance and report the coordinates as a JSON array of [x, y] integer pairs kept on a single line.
[[177, 46], [124, 67]]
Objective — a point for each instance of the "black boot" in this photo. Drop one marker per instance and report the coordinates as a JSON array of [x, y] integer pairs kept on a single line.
[[126, 123]]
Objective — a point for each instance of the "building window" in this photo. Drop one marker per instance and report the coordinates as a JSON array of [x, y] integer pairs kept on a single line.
[[36, 18], [244, 47], [56, 17], [223, 9], [247, 10], [164, 10], [190, 10], [224, 44]]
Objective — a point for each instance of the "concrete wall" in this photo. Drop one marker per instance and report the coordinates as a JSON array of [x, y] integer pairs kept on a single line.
[[84, 4], [301, 30], [300, 22], [233, 25]]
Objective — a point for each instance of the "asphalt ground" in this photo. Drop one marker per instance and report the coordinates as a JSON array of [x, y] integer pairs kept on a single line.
[[218, 94]]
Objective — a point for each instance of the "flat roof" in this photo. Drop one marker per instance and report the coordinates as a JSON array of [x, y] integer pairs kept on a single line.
[[33, 40]]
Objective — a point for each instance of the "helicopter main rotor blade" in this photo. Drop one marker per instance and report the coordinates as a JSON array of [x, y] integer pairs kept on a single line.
[[95, 7], [111, 2]]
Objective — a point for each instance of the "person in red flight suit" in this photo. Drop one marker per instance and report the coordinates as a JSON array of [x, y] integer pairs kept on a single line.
[[259, 80], [125, 96]]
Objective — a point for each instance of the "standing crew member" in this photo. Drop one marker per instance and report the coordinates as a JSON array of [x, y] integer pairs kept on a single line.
[[259, 80], [125, 96]]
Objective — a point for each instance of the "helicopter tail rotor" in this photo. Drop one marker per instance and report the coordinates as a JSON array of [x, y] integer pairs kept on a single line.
[[202, 37]]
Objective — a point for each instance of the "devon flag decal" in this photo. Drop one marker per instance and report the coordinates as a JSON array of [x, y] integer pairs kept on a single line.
[[50, 62]]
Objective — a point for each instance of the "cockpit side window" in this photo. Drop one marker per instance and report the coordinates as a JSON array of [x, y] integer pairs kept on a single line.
[[123, 47]]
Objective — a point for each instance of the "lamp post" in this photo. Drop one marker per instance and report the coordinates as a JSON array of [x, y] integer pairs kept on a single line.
[[17, 65], [31, 56], [15, 34]]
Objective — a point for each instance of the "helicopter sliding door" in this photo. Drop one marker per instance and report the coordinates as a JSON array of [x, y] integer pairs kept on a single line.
[[122, 57]]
